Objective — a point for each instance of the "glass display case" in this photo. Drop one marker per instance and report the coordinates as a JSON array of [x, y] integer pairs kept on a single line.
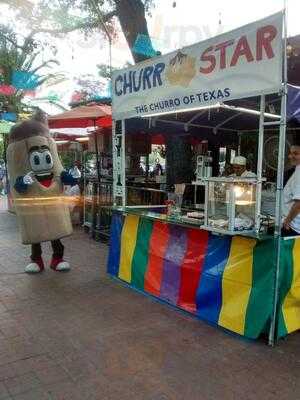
[[230, 205]]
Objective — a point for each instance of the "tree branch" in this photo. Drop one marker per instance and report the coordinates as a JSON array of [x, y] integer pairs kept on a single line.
[[83, 25], [11, 41], [44, 64]]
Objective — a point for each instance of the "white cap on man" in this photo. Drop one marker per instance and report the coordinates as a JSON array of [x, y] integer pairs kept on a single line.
[[239, 160]]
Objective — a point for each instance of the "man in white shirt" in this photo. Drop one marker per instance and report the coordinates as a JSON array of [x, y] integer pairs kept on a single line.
[[291, 196], [75, 172], [239, 168]]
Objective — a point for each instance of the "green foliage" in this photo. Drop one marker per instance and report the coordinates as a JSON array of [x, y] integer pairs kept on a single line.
[[66, 12], [59, 17], [67, 159], [104, 70], [1, 147], [19, 55]]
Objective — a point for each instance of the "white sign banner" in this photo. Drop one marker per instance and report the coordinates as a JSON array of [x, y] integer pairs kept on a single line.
[[242, 63]]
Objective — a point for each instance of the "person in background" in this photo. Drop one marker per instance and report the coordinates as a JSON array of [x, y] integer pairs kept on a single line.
[[238, 168], [75, 171], [74, 193], [158, 169], [2, 179], [227, 171], [291, 195], [75, 201]]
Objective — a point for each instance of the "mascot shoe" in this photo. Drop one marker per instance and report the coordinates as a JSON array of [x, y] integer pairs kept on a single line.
[[35, 266], [58, 264]]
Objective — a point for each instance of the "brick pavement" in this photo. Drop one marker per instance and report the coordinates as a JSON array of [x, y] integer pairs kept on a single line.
[[82, 336]]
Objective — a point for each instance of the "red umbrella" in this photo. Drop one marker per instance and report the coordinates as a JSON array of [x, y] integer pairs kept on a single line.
[[83, 117]]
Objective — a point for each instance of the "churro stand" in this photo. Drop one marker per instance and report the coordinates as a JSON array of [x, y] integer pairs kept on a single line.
[[224, 260]]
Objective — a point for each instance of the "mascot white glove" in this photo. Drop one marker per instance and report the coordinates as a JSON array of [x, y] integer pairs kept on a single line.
[[27, 179]]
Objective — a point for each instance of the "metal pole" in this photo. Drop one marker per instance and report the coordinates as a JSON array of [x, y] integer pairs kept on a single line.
[[239, 143], [97, 154], [114, 153], [206, 201], [84, 186], [279, 189], [123, 155], [259, 161], [110, 58], [5, 140], [118, 141], [99, 15], [231, 208]]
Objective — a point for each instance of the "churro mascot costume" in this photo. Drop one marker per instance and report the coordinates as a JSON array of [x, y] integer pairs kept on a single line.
[[37, 178]]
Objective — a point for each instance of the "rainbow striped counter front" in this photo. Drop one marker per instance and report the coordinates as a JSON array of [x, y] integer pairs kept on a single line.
[[227, 281]]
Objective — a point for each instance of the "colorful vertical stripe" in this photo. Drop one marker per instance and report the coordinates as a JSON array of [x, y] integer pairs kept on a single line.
[[291, 304], [261, 296], [128, 241], [286, 275], [140, 257], [191, 268], [173, 259], [226, 280], [209, 293], [236, 284], [157, 248], [115, 244]]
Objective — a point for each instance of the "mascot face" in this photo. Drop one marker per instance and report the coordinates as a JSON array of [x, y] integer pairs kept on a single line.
[[32, 150], [38, 156], [41, 162]]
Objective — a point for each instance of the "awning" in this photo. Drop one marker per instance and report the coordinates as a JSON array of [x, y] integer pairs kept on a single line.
[[68, 133], [83, 117]]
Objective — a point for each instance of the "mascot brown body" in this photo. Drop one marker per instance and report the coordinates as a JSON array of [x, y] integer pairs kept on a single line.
[[37, 178]]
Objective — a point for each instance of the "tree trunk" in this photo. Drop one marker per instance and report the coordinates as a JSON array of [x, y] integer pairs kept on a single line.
[[131, 14], [179, 168]]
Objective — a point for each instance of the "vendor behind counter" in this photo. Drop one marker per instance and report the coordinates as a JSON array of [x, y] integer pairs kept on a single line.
[[239, 168]]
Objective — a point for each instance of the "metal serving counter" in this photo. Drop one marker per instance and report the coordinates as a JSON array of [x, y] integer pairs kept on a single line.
[[158, 213]]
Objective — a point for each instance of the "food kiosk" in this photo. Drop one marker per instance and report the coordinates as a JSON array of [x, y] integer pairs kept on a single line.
[[224, 261]]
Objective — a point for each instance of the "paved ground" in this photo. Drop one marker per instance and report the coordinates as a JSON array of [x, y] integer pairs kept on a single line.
[[83, 336]]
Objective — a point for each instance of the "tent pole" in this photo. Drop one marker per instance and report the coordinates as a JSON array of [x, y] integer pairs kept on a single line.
[[97, 154], [279, 189], [5, 141], [114, 154], [124, 194], [259, 161], [118, 148]]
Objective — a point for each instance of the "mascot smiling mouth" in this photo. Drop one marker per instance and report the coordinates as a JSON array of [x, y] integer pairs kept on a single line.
[[44, 179]]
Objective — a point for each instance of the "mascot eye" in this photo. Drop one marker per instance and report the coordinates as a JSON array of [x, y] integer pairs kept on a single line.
[[36, 161], [47, 160]]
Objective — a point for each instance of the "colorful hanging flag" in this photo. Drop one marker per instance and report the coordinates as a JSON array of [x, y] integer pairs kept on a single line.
[[25, 80], [30, 93], [52, 96], [143, 45], [7, 90], [9, 116]]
